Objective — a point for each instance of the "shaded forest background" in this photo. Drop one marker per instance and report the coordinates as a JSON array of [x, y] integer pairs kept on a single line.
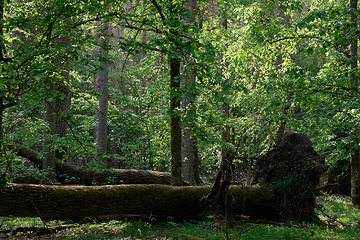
[[172, 85]]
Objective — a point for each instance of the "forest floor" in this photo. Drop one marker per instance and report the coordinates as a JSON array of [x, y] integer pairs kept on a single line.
[[338, 220]]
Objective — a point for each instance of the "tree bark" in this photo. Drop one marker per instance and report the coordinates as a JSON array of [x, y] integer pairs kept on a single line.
[[1, 127], [69, 174], [48, 162], [355, 151], [113, 202], [102, 82], [218, 198], [197, 162], [190, 166], [188, 154], [176, 158], [1, 59], [225, 108], [57, 110]]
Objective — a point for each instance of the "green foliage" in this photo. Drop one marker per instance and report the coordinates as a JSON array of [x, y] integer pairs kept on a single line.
[[277, 61]]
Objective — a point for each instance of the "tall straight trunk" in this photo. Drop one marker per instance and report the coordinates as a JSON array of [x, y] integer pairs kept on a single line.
[[225, 131], [102, 82], [1, 126], [188, 153], [355, 151], [197, 162], [62, 105], [57, 111], [2, 2], [49, 160], [190, 167], [175, 104]]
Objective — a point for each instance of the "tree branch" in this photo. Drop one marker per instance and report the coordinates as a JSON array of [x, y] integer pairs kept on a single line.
[[311, 37], [158, 8]]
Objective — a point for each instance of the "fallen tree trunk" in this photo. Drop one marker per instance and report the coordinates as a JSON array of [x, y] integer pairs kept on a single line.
[[118, 201], [69, 174]]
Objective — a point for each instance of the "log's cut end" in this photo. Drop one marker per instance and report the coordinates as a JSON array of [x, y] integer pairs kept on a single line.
[[112, 201]]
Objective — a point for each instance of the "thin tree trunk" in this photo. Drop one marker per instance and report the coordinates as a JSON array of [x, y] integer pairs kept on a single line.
[[282, 126], [225, 131], [175, 94], [1, 127], [355, 151], [188, 144], [102, 82], [175, 104], [2, 53], [197, 162]]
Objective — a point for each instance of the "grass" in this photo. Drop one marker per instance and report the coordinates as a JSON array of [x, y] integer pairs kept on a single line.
[[346, 226]]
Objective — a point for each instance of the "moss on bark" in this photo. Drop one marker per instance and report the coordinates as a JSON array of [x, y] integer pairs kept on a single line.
[[79, 202]]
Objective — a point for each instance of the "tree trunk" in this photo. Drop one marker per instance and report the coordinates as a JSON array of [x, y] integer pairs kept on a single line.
[[102, 82], [282, 126], [5, 101], [2, 56], [225, 133], [57, 110], [176, 159], [48, 162], [218, 198], [355, 151], [112, 202], [197, 160], [190, 163], [2, 2], [225, 130], [188, 147], [188, 144], [69, 174], [1, 127]]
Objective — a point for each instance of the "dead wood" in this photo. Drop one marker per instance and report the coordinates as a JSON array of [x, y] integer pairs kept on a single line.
[[218, 201], [69, 174], [292, 170], [119, 201]]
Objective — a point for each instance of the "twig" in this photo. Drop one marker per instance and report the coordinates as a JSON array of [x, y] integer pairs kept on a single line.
[[241, 233], [265, 221], [331, 218], [329, 185], [42, 219], [193, 237]]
